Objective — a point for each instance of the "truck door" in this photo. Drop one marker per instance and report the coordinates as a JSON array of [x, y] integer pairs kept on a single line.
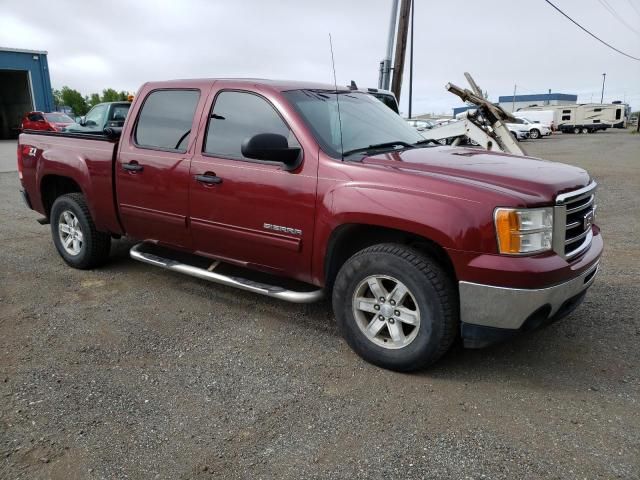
[[152, 172], [251, 212]]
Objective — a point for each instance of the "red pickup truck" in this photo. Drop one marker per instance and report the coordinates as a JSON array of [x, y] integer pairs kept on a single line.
[[299, 190]]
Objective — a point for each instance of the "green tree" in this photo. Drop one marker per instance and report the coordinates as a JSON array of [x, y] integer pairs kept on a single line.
[[74, 99], [110, 95], [57, 98], [94, 99]]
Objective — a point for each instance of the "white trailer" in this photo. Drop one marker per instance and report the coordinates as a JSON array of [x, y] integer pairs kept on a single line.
[[583, 118]]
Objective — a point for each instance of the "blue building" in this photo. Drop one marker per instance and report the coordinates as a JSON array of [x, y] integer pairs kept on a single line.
[[24, 86]]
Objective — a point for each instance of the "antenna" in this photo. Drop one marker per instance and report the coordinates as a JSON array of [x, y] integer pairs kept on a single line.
[[335, 83]]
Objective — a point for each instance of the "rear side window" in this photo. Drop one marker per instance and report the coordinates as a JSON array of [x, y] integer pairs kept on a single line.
[[166, 118], [240, 115], [618, 113]]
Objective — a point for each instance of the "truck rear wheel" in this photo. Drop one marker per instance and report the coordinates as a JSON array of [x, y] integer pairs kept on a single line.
[[395, 307], [74, 234]]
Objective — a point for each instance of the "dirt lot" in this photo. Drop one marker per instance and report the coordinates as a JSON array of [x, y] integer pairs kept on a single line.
[[135, 372]]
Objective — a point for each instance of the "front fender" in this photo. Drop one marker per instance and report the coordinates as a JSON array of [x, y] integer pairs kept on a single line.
[[451, 222]]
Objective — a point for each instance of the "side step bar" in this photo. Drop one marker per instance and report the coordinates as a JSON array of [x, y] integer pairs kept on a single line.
[[137, 253]]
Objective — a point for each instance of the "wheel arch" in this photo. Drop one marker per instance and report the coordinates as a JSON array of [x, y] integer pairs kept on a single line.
[[53, 186], [348, 239]]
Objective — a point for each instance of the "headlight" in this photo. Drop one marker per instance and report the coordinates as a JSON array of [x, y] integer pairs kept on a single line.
[[524, 230]]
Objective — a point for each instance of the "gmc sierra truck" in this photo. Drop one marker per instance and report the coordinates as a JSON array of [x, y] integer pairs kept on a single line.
[[300, 190]]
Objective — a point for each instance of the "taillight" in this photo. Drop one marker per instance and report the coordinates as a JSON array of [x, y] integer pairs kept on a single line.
[[23, 150]]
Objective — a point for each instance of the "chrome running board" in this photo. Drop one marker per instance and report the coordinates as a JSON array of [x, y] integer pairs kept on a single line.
[[274, 291]]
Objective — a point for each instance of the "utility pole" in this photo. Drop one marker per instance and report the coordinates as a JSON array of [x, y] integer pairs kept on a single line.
[[385, 64], [604, 77], [513, 102], [549, 98], [401, 47], [411, 61]]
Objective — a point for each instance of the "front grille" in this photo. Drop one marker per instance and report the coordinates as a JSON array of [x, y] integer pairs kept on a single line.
[[573, 216]]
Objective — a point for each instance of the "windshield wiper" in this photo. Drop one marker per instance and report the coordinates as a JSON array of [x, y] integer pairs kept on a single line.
[[378, 146], [426, 141]]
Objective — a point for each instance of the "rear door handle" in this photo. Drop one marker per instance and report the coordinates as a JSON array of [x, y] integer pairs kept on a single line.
[[132, 166], [208, 178]]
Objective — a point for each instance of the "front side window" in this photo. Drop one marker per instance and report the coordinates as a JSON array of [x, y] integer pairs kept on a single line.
[[119, 113], [237, 116], [165, 119], [363, 120], [618, 113], [566, 117]]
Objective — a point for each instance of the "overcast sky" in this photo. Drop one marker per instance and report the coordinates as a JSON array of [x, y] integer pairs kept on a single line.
[[121, 44]]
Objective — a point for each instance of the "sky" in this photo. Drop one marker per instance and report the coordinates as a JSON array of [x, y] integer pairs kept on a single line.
[[122, 44]]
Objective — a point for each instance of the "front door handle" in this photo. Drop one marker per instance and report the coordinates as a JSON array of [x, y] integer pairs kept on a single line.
[[132, 166], [208, 178]]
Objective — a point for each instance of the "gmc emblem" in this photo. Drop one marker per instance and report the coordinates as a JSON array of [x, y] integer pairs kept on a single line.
[[587, 220]]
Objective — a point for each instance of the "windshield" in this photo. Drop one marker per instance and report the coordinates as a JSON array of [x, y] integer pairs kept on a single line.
[[365, 121], [58, 118]]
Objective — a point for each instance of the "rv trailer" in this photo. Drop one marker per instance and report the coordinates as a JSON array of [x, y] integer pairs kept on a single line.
[[584, 118]]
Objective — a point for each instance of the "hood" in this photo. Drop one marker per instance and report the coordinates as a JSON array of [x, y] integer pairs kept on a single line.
[[520, 176]]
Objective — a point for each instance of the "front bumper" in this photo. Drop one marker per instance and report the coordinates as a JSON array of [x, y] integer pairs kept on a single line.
[[489, 313]]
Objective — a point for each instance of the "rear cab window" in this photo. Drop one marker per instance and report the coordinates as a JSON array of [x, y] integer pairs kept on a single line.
[[165, 120]]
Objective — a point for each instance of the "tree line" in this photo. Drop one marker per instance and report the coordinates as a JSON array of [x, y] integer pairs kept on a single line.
[[80, 104]]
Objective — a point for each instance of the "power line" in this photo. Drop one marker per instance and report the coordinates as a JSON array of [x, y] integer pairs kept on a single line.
[[616, 15], [594, 36]]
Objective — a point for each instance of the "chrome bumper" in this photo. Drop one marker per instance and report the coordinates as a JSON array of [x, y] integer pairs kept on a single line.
[[502, 307]]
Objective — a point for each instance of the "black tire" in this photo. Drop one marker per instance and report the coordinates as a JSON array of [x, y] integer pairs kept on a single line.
[[585, 130], [434, 294], [95, 246], [534, 134], [576, 130]]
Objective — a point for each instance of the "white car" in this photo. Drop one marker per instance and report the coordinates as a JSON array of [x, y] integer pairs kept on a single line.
[[536, 130], [519, 131], [421, 125]]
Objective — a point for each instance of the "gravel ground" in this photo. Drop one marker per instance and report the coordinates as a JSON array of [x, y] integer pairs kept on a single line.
[[135, 372]]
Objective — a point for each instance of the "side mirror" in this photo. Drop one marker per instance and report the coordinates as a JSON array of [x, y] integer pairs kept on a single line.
[[272, 147], [82, 121]]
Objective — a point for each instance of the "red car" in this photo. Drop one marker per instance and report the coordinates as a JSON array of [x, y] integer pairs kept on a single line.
[[271, 188], [50, 122]]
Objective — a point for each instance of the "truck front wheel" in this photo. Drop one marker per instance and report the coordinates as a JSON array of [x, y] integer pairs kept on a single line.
[[395, 307], [74, 234]]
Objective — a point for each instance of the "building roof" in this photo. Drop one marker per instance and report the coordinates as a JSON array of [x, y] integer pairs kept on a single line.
[[22, 50], [540, 97]]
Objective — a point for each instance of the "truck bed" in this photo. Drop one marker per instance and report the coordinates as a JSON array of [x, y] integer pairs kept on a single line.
[[86, 159]]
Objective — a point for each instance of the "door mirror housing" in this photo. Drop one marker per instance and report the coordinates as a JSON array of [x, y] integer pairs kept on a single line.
[[82, 121], [272, 147]]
